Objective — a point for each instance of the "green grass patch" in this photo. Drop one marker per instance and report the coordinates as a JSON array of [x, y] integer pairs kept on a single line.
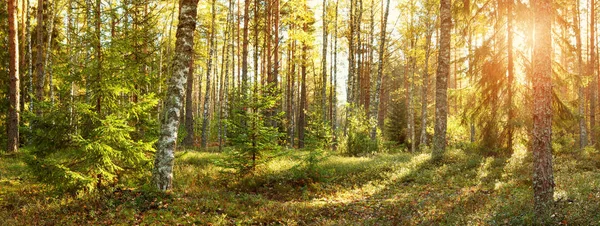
[[383, 189]]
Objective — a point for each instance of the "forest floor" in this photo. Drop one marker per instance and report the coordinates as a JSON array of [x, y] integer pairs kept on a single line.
[[385, 189]]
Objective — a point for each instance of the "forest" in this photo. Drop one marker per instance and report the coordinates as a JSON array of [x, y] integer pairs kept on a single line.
[[299, 112]]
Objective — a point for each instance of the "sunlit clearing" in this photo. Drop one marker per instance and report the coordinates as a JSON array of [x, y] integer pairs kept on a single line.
[[400, 171]]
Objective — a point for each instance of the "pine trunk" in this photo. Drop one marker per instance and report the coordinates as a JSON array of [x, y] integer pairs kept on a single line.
[[209, 63], [580, 87], [511, 76], [543, 181], [324, 63], [592, 72], [441, 82], [425, 87], [39, 64], [302, 109], [13, 75]]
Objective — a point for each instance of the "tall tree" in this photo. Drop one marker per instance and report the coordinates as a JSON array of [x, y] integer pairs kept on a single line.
[[39, 64], [163, 163], [511, 75], [303, 97], [324, 63], [424, 88], [376, 94], [441, 82], [592, 72], [580, 77], [543, 180], [188, 140], [245, 47], [13, 74], [209, 63]]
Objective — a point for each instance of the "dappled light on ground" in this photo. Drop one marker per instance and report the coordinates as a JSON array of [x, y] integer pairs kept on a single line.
[[385, 189]]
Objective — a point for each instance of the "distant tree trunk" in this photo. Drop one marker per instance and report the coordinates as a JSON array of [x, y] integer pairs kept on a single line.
[[256, 40], [164, 157], [411, 94], [211, 50], [424, 88], [443, 70], [324, 63], [39, 64], [376, 95], [29, 59], [511, 76], [358, 52], [290, 97], [334, 88], [580, 77], [98, 48], [188, 140], [48, 58], [350, 77], [302, 109], [13, 75], [245, 48], [543, 180], [592, 72]]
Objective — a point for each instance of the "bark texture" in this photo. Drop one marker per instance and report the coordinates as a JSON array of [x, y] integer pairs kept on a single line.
[[543, 181], [441, 82], [189, 108], [13, 74], [163, 163]]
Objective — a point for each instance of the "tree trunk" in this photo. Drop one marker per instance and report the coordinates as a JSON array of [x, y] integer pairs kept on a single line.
[[511, 76], [211, 50], [302, 113], [411, 94], [543, 181], [13, 75], [592, 72], [443, 70], [245, 48], [580, 87], [376, 95], [425, 87], [98, 48], [324, 63], [29, 60], [188, 140], [163, 163], [334, 87], [48, 62], [39, 64]]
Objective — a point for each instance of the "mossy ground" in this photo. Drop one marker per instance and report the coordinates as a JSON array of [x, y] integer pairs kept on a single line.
[[466, 188]]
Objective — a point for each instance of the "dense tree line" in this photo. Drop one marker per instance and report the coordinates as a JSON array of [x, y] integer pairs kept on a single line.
[[95, 91]]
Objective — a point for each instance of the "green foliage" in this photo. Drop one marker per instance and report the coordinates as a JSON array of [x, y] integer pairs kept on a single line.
[[358, 141], [253, 140], [89, 152]]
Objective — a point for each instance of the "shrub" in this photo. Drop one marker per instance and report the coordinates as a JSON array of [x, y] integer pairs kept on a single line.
[[90, 151], [358, 140], [252, 139]]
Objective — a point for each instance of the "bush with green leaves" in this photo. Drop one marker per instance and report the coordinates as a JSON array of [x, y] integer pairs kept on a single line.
[[82, 152], [252, 138], [358, 140]]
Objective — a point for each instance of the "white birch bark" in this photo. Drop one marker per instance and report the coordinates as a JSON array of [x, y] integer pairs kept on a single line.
[[164, 158]]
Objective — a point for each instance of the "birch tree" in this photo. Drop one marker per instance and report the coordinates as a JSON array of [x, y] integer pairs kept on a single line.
[[164, 158]]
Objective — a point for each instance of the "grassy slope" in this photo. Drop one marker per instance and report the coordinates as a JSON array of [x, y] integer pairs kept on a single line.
[[399, 189]]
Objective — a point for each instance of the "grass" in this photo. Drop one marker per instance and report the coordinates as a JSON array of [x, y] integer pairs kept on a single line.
[[386, 189]]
